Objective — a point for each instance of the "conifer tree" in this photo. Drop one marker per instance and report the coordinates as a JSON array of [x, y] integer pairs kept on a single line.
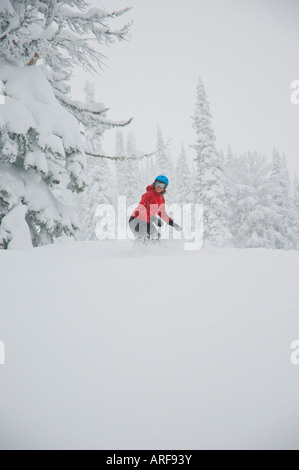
[[282, 202], [41, 145], [184, 188], [100, 185], [209, 184]]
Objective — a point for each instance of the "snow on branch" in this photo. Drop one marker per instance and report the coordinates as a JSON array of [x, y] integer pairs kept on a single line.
[[90, 115], [93, 108], [111, 124], [63, 36], [124, 157], [16, 22], [93, 13], [95, 21], [121, 158]]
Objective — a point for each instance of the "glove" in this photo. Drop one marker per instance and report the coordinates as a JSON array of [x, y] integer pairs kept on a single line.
[[156, 221], [176, 227]]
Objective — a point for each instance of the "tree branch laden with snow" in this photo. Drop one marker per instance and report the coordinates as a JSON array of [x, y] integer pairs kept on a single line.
[[40, 133]]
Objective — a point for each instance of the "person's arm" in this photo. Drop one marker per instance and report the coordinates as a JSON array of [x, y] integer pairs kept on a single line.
[[164, 216]]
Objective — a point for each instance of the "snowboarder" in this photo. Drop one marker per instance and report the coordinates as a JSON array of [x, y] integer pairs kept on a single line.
[[144, 219]]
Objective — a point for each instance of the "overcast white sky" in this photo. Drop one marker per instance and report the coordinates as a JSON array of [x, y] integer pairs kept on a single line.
[[246, 51]]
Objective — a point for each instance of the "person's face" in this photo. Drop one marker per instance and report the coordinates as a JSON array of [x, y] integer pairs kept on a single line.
[[160, 187], [159, 190]]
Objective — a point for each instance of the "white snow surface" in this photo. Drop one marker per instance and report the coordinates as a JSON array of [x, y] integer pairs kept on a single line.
[[108, 347]]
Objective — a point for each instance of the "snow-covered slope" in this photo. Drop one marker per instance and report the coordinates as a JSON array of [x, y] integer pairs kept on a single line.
[[109, 348]]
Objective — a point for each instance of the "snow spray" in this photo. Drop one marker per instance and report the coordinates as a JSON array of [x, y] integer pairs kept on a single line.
[[112, 223]]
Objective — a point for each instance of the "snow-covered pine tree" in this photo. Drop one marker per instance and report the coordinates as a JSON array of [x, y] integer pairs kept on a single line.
[[40, 138], [164, 165], [253, 214], [100, 184], [164, 162], [209, 184], [161, 156], [295, 204], [128, 171], [281, 173], [296, 193], [282, 202], [229, 156], [291, 223], [172, 176], [184, 186], [99, 169], [148, 172], [120, 166], [133, 172], [231, 168]]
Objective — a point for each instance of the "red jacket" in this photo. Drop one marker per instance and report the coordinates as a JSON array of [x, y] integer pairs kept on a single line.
[[152, 203]]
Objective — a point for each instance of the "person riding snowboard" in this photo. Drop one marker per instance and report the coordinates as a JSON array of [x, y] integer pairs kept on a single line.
[[144, 218]]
